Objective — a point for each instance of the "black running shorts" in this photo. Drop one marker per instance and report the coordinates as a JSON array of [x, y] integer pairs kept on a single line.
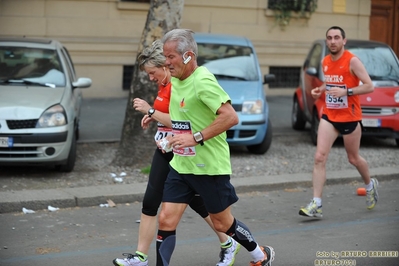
[[216, 191]]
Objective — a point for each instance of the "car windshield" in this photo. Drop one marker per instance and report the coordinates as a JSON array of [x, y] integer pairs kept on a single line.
[[33, 66], [228, 61], [380, 62]]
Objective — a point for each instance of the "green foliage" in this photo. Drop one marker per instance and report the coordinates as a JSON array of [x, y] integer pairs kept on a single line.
[[146, 170], [284, 9]]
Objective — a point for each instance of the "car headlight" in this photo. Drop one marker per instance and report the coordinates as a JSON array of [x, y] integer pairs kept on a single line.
[[252, 107], [396, 97], [53, 117]]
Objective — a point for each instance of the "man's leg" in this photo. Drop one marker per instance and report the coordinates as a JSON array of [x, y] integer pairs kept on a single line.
[[225, 222], [229, 247], [169, 218], [326, 136], [352, 145]]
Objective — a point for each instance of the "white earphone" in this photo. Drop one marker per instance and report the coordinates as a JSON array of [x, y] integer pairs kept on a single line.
[[186, 60], [166, 75]]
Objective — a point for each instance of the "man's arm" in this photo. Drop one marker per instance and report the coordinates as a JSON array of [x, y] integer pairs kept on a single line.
[[227, 117], [358, 69]]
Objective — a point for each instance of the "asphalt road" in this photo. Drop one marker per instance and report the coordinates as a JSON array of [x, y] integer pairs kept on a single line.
[[95, 235], [102, 119]]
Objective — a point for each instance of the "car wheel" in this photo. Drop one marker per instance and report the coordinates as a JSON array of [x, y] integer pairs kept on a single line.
[[298, 121], [264, 146], [314, 127], [70, 163], [397, 142]]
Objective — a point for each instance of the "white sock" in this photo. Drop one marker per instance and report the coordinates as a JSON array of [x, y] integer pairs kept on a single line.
[[226, 243], [318, 201], [370, 186], [257, 254]]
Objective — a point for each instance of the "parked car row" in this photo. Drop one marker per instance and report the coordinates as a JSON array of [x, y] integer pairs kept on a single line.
[[380, 109], [39, 104], [41, 95], [41, 98]]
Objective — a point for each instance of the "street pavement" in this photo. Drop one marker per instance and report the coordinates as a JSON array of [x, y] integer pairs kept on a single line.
[[95, 235], [101, 120]]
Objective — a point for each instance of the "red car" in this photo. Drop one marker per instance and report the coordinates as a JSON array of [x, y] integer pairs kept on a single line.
[[380, 108]]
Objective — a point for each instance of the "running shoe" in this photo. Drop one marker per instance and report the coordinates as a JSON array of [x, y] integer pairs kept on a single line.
[[372, 195], [228, 255], [130, 260], [312, 210], [269, 257]]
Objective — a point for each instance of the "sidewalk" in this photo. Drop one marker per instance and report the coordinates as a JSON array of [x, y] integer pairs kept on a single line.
[[121, 193]]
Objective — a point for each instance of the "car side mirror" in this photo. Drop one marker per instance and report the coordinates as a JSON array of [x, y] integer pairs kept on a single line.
[[269, 78], [312, 71], [82, 83]]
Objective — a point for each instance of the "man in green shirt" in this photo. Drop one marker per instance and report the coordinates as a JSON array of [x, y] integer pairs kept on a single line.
[[201, 112]]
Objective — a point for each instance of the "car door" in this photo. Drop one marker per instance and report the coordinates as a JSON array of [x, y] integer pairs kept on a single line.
[[313, 76], [75, 94]]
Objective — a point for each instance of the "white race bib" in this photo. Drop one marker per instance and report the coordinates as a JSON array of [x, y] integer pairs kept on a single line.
[[162, 132], [182, 127], [336, 102]]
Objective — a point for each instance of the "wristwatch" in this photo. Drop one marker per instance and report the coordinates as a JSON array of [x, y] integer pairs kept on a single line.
[[350, 92], [151, 111], [199, 138]]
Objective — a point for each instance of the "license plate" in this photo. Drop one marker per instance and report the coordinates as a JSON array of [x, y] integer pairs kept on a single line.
[[6, 141], [369, 122]]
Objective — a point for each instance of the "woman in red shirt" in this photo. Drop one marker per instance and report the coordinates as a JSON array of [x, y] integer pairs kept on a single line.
[[152, 61]]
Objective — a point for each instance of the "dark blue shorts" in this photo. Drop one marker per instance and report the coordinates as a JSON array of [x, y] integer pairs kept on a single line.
[[216, 191]]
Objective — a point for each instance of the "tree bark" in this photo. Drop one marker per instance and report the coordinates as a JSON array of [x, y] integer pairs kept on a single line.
[[137, 145]]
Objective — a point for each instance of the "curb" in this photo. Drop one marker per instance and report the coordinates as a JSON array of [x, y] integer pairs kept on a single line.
[[14, 201]]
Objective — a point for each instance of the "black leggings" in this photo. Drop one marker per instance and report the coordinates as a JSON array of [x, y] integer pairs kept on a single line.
[[156, 181]]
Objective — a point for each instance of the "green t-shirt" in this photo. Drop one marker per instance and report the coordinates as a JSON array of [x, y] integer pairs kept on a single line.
[[193, 106]]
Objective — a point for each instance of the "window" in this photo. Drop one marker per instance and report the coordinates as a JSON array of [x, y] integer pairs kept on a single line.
[[290, 5], [316, 56], [127, 76], [286, 77], [232, 62]]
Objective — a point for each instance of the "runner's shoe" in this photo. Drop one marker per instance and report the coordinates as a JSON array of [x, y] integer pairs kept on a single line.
[[227, 255], [269, 257], [131, 260], [372, 195], [311, 210]]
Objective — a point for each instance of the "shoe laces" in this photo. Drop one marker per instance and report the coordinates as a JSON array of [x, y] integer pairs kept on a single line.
[[222, 254], [313, 205], [130, 256], [370, 195]]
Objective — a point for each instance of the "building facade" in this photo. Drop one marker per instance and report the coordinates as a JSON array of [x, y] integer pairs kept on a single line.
[[103, 36]]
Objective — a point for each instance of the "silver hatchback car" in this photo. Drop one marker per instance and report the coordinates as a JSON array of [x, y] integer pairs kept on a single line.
[[40, 101]]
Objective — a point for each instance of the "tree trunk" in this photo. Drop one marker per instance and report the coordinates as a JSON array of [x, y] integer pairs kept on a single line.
[[137, 145]]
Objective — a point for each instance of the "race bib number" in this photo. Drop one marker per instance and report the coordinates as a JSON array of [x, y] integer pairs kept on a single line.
[[162, 132], [182, 127], [336, 102]]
